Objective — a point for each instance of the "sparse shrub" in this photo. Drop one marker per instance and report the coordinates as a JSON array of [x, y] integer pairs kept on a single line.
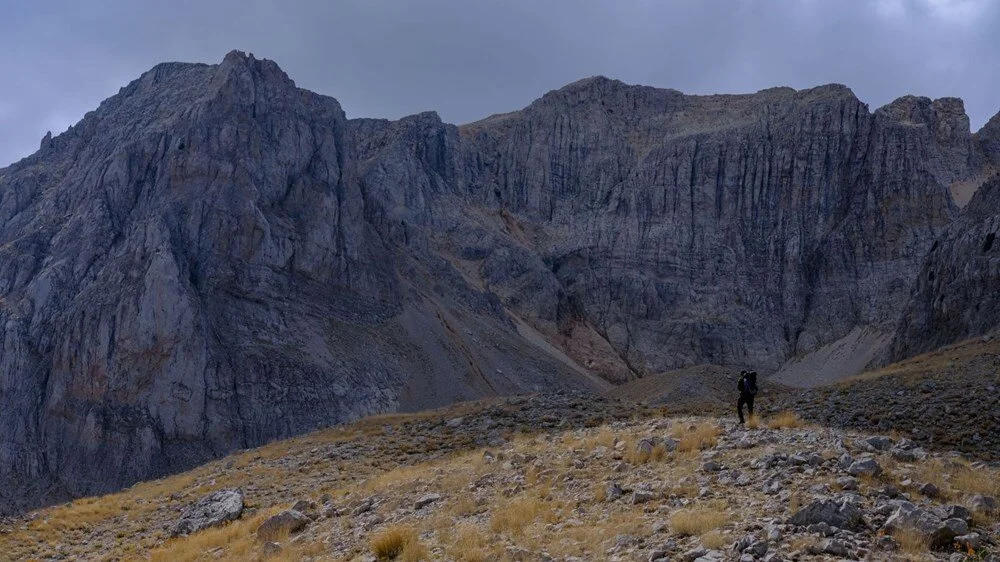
[[697, 520], [785, 420], [391, 542]]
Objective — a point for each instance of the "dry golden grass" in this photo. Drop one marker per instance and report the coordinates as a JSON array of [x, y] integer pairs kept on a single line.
[[698, 520], [753, 422], [976, 481], [911, 541], [513, 518], [698, 437], [715, 540], [642, 456], [391, 542], [469, 545], [463, 506], [414, 551], [803, 543], [785, 420], [236, 540]]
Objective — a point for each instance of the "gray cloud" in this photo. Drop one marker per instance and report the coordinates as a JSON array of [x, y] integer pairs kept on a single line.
[[467, 59]]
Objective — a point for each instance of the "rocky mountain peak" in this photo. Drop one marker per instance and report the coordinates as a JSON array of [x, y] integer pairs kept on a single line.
[[215, 258]]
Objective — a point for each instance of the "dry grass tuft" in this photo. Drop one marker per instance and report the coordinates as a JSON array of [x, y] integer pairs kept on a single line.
[[699, 437], [392, 542], [637, 456], [513, 518], [911, 541], [715, 540], [697, 520], [469, 546], [785, 420], [969, 481]]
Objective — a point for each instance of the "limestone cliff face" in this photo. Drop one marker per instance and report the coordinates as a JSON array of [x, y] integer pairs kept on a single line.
[[215, 258], [725, 229], [954, 296]]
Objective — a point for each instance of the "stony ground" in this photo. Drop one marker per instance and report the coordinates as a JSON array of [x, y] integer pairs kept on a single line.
[[547, 478], [946, 399], [901, 467]]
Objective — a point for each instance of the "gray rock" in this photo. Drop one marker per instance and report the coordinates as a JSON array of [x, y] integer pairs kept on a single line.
[[983, 504], [835, 547], [877, 443], [281, 525], [213, 509], [613, 491], [693, 554], [821, 529], [642, 496], [842, 514], [847, 482], [929, 490], [971, 541], [867, 467], [957, 512], [426, 500], [939, 532]]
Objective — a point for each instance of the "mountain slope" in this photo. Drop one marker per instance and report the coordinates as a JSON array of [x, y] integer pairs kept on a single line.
[[215, 258]]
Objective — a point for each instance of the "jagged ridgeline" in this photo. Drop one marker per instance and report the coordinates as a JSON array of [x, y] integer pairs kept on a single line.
[[215, 258]]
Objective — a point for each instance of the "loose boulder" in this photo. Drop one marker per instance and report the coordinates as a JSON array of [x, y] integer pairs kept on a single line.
[[281, 525], [844, 515], [213, 509]]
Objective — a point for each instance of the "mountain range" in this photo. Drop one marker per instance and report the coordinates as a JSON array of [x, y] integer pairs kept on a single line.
[[215, 258]]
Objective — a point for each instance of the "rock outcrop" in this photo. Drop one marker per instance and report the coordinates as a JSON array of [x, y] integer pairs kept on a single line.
[[954, 293], [215, 258]]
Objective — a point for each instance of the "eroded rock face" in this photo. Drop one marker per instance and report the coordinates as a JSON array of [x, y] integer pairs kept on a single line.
[[954, 294], [215, 258], [214, 509]]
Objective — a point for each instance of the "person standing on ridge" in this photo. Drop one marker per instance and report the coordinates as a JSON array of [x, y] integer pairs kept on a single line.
[[748, 389]]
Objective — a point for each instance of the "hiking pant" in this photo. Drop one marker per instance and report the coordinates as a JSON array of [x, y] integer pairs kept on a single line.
[[744, 399]]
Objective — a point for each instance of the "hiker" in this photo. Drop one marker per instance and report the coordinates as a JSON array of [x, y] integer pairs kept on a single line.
[[748, 389]]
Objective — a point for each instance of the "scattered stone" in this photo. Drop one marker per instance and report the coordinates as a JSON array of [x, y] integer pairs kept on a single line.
[[847, 483], [971, 541], [426, 500], [613, 491], [929, 490], [868, 467], [842, 514], [983, 504], [281, 525], [642, 496], [213, 509], [876, 443], [835, 547]]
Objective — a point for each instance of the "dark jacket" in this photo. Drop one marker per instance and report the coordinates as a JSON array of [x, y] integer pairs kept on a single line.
[[748, 384]]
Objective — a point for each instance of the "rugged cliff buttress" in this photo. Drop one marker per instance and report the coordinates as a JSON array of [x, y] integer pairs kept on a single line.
[[215, 258]]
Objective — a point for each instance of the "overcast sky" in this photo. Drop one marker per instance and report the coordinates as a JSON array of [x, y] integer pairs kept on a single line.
[[469, 58]]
